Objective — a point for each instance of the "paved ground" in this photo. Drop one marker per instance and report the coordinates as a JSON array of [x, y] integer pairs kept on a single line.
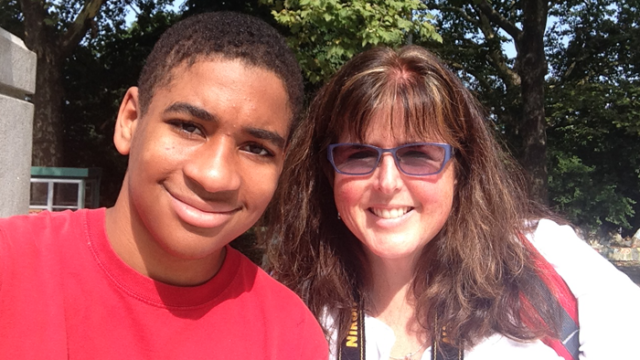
[[632, 271]]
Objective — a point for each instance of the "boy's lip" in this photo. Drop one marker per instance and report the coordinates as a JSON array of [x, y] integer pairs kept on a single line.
[[201, 214]]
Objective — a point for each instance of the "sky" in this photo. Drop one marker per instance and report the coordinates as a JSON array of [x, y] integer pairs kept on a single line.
[[131, 15]]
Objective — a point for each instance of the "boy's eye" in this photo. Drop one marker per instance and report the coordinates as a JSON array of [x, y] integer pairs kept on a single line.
[[257, 149], [187, 127]]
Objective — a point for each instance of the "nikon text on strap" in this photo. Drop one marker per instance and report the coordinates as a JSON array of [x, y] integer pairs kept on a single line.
[[353, 346]]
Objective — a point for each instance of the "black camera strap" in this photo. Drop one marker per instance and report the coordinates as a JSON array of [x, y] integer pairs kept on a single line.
[[353, 346]]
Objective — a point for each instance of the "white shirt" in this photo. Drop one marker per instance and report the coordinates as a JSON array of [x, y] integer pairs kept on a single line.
[[608, 308]]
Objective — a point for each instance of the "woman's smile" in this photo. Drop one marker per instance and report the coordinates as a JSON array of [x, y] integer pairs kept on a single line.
[[391, 213]]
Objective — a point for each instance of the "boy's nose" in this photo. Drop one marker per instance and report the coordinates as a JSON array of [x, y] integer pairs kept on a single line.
[[215, 166]]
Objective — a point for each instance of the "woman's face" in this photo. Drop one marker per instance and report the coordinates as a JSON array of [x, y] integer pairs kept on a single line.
[[393, 214]]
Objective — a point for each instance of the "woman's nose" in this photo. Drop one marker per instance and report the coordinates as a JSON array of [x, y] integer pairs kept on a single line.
[[388, 175]]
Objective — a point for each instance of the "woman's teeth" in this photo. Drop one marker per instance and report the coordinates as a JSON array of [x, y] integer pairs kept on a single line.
[[390, 213]]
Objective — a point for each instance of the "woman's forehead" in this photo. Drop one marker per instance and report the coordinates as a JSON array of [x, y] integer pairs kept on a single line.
[[392, 124], [379, 130]]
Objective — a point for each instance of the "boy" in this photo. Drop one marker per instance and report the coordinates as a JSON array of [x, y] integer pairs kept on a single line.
[[153, 276]]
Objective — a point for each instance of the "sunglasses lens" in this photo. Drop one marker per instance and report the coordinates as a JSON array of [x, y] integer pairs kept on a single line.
[[355, 159], [424, 159]]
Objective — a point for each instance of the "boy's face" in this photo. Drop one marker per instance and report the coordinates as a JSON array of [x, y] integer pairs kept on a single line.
[[205, 158]]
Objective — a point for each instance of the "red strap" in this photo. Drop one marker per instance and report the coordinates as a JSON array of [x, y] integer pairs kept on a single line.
[[568, 347]]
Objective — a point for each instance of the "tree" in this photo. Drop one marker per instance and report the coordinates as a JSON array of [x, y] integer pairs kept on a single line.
[[327, 33], [11, 16], [253, 7], [475, 34], [53, 30], [590, 95], [594, 112]]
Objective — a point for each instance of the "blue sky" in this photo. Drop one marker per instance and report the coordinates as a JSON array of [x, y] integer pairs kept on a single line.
[[131, 15]]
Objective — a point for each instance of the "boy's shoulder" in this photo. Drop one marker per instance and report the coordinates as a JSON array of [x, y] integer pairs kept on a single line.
[[47, 221], [37, 231]]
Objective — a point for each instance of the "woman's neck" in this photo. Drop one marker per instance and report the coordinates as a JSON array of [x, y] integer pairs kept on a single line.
[[392, 301], [391, 289], [391, 282]]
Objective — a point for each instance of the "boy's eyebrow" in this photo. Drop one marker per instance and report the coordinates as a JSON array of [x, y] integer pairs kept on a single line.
[[270, 136], [192, 110], [202, 114]]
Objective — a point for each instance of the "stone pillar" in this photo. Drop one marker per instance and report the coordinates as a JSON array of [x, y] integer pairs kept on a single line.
[[17, 81]]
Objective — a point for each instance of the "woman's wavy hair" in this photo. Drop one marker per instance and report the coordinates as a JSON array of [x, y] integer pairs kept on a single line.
[[476, 275]]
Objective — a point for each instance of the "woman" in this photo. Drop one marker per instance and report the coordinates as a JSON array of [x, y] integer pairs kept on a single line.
[[398, 204]]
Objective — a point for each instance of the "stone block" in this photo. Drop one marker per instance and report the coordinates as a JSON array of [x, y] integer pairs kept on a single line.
[[16, 122], [17, 80], [17, 67]]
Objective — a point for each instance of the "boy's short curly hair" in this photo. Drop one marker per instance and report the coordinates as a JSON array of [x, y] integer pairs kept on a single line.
[[226, 35]]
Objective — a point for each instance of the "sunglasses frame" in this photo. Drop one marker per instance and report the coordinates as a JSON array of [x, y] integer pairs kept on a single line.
[[448, 154]]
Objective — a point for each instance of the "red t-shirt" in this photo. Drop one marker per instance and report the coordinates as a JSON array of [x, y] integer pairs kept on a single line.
[[65, 294]]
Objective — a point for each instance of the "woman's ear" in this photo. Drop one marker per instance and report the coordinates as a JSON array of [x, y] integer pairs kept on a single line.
[[128, 118]]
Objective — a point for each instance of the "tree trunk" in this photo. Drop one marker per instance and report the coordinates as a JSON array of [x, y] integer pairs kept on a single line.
[[532, 70], [51, 48], [40, 38], [47, 119]]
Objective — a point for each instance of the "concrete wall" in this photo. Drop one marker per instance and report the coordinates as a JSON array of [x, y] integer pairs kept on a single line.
[[17, 80]]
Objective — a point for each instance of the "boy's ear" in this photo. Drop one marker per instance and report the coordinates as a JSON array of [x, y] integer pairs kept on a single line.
[[128, 118]]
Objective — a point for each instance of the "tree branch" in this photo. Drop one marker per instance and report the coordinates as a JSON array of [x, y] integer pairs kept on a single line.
[[510, 77], [463, 14], [71, 38], [499, 20], [482, 81], [495, 55]]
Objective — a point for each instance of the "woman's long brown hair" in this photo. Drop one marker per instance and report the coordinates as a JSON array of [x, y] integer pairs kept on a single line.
[[475, 274]]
